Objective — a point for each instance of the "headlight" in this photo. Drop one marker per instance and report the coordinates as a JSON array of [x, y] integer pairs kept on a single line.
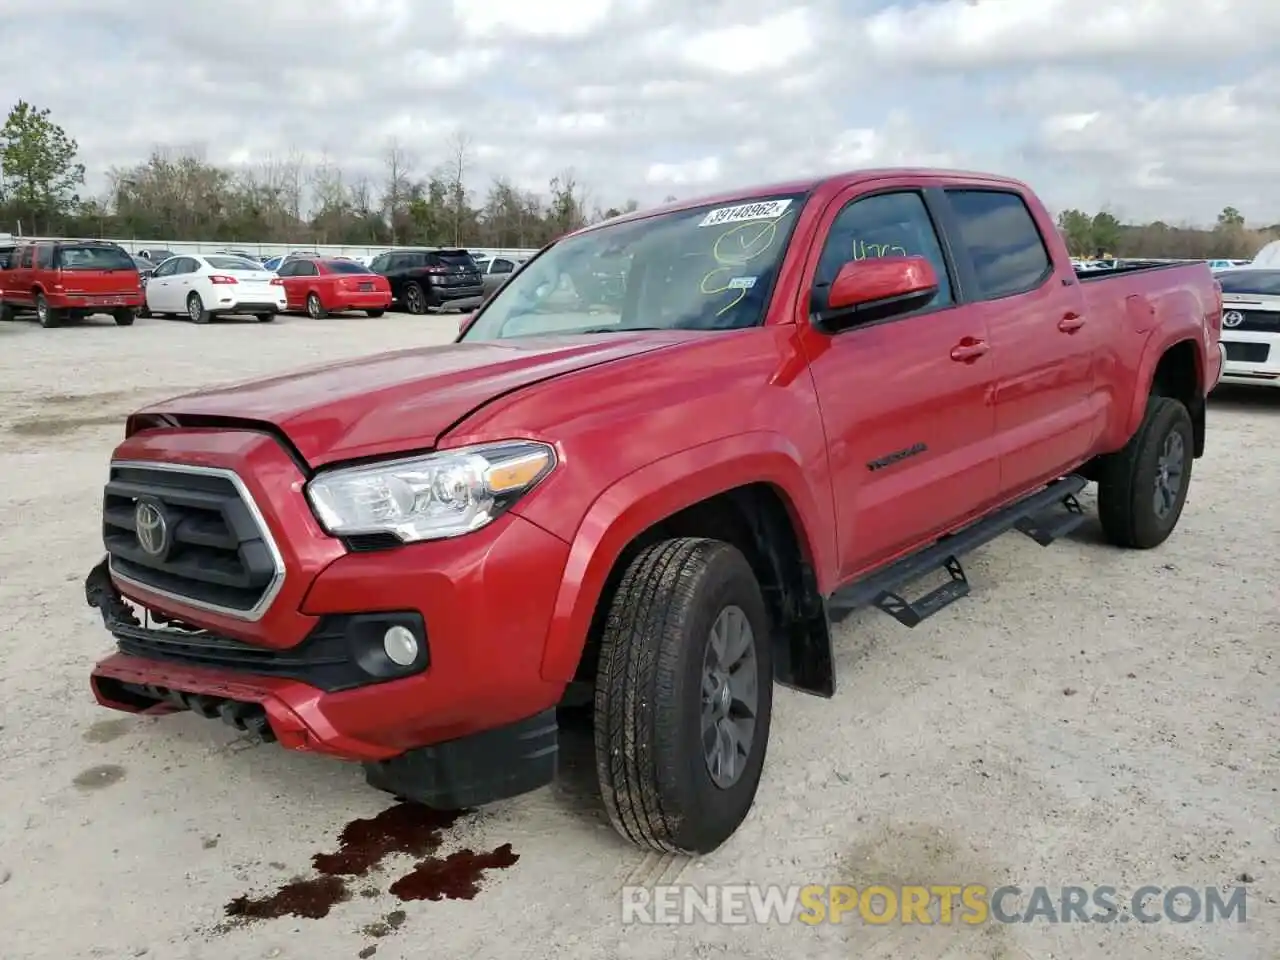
[[439, 495]]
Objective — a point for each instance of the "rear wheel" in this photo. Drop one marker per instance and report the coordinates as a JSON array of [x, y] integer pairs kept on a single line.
[[1143, 487], [315, 309], [375, 313], [415, 299], [196, 311], [265, 317], [47, 316], [6, 313], [123, 318], [684, 695]]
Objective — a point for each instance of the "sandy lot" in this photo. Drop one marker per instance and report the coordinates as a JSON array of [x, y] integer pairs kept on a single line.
[[1088, 717]]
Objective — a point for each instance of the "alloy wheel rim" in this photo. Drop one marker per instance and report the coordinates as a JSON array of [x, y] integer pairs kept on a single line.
[[730, 697]]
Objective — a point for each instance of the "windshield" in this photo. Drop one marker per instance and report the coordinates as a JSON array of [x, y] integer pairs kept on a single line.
[[95, 258], [709, 268], [1261, 282], [233, 263], [344, 266]]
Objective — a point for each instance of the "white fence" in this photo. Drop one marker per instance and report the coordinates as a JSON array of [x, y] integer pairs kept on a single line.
[[275, 249]]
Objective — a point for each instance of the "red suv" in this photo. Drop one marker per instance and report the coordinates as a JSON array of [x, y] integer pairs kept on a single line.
[[65, 280]]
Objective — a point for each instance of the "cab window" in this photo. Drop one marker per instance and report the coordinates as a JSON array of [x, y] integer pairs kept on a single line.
[[885, 225]]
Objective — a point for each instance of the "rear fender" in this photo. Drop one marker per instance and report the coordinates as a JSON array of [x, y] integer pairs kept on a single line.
[[657, 491], [1156, 348]]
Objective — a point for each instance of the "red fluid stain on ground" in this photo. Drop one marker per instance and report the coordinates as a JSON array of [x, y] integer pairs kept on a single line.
[[455, 877], [362, 845], [404, 828], [312, 899]]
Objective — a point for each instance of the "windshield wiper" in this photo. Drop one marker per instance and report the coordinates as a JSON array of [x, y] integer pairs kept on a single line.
[[617, 329]]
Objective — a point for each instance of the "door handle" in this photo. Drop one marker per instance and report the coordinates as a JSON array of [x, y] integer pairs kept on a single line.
[[1071, 323], [968, 350]]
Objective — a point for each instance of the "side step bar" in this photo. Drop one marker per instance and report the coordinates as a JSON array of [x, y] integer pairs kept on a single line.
[[1044, 516]]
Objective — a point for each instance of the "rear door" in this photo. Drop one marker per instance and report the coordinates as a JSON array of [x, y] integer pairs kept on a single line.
[[21, 280], [288, 274], [1049, 409], [906, 402]]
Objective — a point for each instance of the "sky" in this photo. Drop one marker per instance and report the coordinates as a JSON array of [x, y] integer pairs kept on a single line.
[[1152, 109]]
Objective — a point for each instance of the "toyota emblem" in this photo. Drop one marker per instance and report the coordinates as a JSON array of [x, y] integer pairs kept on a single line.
[[1232, 318], [151, 527]]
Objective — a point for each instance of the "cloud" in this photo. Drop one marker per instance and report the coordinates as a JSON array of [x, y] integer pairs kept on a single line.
[[1158, 107]]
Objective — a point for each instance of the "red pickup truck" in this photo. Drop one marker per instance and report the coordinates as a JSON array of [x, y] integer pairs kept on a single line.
[[62, 280], [653, 469]]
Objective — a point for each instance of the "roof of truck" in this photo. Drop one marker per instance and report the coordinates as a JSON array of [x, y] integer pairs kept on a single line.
[[807, 184]]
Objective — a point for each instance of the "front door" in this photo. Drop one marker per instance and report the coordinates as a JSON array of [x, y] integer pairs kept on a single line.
[[906, 402], [1048, 410]]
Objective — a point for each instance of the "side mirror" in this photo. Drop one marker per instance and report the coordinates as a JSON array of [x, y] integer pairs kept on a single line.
[[877, 289]]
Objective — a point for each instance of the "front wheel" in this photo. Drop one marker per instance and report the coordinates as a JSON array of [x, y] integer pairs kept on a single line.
[[683, 696], [47, 316], [1143, 487]]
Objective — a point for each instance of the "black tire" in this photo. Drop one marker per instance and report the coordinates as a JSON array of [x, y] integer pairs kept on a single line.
[[265, 317], [374, 314], [654, 776], [6, 313], [415, 299], [1128, 479], [47, 316], [144, 312], [123, 318], [196, 311], [315, 309]]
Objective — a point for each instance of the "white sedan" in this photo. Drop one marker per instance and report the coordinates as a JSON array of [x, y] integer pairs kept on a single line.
[[202, 287]]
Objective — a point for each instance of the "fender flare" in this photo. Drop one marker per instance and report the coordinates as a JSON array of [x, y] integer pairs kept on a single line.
[[656, 491], [1150, 359]]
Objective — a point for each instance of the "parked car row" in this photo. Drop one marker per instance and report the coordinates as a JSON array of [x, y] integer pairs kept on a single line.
[[62, 281]]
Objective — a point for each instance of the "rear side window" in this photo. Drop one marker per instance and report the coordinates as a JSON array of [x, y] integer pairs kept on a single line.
[[502, 266], [43, 257], [24, 257], [305, 268], [94, 258], [1002, 240], [345, 266]]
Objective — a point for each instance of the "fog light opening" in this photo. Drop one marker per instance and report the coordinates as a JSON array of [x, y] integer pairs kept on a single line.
[[400, 646]]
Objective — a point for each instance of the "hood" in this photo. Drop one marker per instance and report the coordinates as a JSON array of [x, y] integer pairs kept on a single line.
[[401, 401]]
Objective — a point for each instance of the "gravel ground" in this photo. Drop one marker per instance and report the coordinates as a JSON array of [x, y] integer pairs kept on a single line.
[[1087, 717]]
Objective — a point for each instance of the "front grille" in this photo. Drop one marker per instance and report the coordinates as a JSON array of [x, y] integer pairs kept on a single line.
[[1247, 352], [1267, 321], [214, 552]]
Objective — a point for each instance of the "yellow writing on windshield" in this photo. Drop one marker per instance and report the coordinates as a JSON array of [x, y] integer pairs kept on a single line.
[[733, 250]]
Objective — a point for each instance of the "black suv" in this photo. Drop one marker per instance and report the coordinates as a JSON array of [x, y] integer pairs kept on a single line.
[[432, 277]]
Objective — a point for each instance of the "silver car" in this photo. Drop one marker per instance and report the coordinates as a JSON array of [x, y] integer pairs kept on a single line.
[[495, 271]]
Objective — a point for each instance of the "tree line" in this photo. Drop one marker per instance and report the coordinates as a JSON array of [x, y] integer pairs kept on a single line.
[[178, 194]]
